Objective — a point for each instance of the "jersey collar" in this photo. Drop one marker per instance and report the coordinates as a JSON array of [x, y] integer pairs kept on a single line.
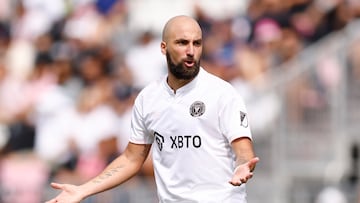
[[184, 89]]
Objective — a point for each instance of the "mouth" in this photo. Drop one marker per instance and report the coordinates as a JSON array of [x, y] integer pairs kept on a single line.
[[189, 63]]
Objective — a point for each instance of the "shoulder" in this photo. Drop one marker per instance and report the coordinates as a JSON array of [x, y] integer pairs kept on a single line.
[[151, 90], [214, 82]]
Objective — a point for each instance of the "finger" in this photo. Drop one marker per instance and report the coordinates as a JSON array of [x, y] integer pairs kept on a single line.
[[244, 180], [235, 183], [57, 185], [253, 161], [238, 182]]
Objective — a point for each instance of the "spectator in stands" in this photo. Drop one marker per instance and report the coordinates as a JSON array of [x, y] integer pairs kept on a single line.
[[143, 57]]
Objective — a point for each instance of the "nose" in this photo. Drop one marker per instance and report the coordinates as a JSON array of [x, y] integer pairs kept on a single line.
[[190, 50]]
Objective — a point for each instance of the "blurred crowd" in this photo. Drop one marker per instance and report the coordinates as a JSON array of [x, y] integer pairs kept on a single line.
[[70, 70]]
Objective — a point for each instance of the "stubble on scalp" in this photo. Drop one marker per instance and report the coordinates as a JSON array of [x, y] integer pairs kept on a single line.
[[174, 22]]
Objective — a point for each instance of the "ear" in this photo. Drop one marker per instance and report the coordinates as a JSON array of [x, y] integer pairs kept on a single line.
[[163, 47]]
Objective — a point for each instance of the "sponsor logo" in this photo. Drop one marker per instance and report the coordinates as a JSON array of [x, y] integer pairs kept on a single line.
[[178, 142], [185, 141], [159, 139]]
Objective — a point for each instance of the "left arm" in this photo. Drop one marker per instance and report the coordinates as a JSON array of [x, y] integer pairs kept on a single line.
[[245, 160]]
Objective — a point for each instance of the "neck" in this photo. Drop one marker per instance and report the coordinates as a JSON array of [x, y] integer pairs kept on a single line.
[[175, 83]]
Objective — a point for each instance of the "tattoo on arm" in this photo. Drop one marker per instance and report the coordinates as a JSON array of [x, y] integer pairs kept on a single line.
[[135, 156], [106, 174]]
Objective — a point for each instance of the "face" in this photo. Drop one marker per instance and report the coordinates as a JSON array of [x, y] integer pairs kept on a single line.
[[183, 49], [180, 70]]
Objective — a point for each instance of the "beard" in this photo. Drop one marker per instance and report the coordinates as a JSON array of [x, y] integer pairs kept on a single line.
[[180, 71]]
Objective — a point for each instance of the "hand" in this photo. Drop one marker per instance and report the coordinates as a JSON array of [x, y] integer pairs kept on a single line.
[[243, 173], [69, 194]]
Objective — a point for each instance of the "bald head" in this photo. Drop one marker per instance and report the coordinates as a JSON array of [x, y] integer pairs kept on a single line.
[[179, 25], [182, 46]]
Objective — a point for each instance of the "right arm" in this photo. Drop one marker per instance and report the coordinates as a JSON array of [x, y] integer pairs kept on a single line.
[[117, 172]]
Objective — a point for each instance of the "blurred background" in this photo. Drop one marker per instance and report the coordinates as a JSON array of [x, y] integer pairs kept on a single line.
[[70, 70]]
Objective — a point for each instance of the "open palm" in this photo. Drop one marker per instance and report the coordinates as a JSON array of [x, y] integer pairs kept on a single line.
[[69, 194], [243, 172]]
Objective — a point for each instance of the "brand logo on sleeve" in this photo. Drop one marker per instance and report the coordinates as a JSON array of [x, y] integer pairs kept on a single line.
[[243, 119], [197, 109]]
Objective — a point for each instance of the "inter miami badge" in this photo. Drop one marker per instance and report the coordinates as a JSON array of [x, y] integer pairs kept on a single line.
[[243, 120], [197, 109]]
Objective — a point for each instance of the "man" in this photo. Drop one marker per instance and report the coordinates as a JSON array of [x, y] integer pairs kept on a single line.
[[198, 123]]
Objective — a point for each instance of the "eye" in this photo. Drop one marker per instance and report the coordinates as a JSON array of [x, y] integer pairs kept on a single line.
[[182, 42], [197, 43]]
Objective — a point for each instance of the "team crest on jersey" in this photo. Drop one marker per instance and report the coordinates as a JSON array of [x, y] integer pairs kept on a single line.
[[243, 119], [197, 109]]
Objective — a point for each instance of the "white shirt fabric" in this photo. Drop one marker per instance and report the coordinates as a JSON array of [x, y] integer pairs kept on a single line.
[[192, 155]]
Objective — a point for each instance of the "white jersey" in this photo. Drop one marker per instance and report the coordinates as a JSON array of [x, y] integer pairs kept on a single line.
[[192, 131]]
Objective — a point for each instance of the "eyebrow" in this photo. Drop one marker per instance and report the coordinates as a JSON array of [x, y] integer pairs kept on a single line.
[[187, 40]]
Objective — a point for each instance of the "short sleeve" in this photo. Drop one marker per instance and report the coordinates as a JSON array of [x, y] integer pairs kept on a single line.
[[139, 132], [233, 117]]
